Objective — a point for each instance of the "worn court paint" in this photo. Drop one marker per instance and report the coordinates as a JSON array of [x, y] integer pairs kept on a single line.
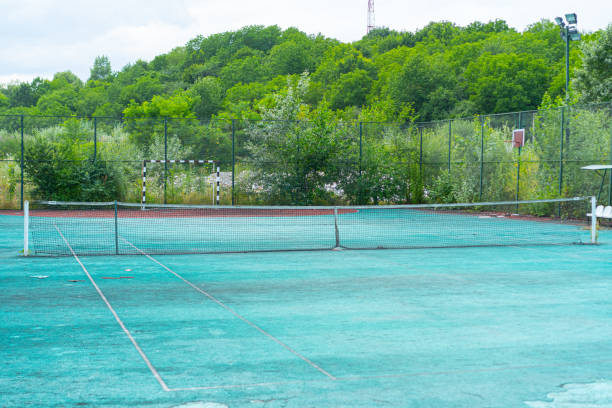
[[476, 327]]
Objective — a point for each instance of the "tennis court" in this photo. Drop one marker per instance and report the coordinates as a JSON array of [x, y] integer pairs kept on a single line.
[[468, 325]]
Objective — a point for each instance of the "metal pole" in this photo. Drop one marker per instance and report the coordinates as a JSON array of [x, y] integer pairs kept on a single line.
[[610, 186], [233, 157], [21, 164], [116, 232], [26, 228], [593, 220], [360, 162], [336, 227], [481, 153], [449, 144], [95, 138], [561, 151], [518, 164], [567, 49], [218, 180], [421, 151], [165, 157]]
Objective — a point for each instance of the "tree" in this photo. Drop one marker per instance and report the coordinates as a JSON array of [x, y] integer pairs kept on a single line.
[[351, 89], [293, 160], [594, 79], [507, 82], [289, 57], [207, 97], [101, 70], [421, 82]]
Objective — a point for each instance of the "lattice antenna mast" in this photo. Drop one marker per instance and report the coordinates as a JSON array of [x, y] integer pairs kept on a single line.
[[371, 23]]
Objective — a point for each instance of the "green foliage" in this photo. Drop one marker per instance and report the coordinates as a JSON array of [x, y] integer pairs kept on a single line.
[[206, 96], [60, 167], [424, 83], [506, 82], [594, 78], [101, 70], [440, 70]]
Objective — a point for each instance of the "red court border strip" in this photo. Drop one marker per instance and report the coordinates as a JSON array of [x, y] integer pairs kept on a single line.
[[126, 331], [236, 314]]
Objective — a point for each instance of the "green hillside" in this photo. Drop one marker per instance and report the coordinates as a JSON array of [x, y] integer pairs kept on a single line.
[[440, 71]]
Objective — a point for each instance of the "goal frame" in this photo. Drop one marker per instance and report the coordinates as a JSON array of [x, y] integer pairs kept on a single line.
[[215, 164]]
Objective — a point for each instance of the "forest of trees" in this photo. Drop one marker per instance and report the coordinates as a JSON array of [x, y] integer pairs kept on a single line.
[[303, 119], [440, 71]]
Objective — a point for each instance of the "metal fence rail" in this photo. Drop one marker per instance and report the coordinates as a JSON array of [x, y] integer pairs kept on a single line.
[[300, 163]]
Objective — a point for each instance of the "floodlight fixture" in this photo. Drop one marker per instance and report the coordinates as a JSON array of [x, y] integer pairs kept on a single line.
[[569, 33]]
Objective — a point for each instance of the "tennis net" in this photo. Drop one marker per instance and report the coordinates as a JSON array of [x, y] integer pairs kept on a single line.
[[61, 228]]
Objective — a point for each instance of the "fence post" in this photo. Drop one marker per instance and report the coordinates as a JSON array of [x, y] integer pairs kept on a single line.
[[481, 153], [518, 162], [233, 156], [450, 124], [360, 162], [610, 186], [561, 151], [21, 164], [421, 151], [165, 158], [95, 138]]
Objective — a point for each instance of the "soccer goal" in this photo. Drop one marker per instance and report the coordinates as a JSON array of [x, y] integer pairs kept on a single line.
[[215, 170]]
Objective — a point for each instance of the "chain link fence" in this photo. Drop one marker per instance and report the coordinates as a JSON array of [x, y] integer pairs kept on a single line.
[[321, 162]]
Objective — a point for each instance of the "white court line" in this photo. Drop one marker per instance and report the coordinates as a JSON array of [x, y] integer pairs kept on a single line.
[[127, 332], [232, 311]]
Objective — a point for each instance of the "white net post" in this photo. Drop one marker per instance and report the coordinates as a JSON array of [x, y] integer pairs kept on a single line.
[[26, 227], [593, 220]]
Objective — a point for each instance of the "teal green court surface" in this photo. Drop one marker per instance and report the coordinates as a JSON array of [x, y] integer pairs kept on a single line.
[[515, 326]]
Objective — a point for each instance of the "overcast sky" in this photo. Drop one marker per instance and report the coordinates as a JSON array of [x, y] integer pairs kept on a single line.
[[41, 37]]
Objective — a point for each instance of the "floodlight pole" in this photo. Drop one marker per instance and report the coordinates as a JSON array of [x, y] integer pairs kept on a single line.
[[567, 33], [567, 65]]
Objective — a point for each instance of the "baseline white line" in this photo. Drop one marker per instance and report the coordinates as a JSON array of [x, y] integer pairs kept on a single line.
[[232, 311], [127, 332]]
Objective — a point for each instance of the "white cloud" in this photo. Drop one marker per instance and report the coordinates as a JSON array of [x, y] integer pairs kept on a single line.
[[68, 35]]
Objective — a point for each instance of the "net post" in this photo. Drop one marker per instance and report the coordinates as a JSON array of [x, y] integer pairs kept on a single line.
[[26, 227], [116, 232], [593, 220], [336, 227]]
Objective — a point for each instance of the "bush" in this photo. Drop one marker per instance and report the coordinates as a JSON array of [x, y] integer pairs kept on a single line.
[[60, 170]]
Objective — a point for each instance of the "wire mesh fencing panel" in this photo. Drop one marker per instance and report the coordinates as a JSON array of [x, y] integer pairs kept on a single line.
[[319, 162], [10, 162]]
